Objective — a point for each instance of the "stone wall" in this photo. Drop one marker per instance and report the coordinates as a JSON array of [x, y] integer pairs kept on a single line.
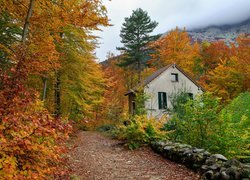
[[211, 166]]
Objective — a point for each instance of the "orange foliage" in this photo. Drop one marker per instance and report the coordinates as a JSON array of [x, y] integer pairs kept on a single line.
[[213, 53], [226, 69], [115, 103], [175, 47], [226, 80], [49, 18], [30, 138], [243, 55]]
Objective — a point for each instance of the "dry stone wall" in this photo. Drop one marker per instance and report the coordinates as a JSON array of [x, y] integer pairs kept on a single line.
[[211, 166]]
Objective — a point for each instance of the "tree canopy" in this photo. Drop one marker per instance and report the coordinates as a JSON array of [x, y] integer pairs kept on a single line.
[[135, 34]]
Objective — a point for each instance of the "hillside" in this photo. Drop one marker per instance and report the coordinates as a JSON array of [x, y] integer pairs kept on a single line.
[[227, 33]]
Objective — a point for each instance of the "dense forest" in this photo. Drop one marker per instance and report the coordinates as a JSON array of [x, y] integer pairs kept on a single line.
[[51, 83]]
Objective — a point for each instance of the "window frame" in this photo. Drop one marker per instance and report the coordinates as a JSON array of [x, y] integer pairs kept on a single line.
[[162, 100], [176, 77]]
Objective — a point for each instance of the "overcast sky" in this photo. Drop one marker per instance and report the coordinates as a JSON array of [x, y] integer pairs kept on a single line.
[[169, 14]]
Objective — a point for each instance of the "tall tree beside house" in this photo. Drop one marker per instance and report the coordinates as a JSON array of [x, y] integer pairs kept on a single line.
[[135, 34]]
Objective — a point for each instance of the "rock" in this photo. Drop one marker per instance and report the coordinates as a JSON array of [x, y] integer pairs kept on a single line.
[[224, 176], [161, 143], [166, 151], [206, 153], [245, 173], [219, 156], [214, 167], [188, 152], [210, 161], [204, 168], [196, 166], [199, 158], [196, 150], [233, 172], [208, 175], [185, 146], [217, 176], [167, 148], [232, 162]]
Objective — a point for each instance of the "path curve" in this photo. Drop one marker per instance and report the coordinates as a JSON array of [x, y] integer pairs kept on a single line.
[[96, 156]]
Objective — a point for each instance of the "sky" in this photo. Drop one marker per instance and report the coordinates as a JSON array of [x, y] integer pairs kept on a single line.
[[169, 14]]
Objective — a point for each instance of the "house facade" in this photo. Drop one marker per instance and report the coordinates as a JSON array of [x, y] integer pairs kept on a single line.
[[160, 88]]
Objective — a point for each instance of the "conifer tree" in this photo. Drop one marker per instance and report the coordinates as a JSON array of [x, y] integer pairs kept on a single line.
[[135, 34]]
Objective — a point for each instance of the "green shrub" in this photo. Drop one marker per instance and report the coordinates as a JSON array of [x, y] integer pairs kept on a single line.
[[196, 121], [142, 130], [140, 99], [201, 124], [232, 137]]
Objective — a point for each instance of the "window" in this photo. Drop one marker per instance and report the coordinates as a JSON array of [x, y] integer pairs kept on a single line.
[[174, 77], [162, 100]]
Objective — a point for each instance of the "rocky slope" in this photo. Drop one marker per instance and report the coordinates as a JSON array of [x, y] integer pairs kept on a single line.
[[227, 33]]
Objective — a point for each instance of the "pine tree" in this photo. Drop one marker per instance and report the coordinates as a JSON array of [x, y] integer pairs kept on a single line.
[[135, 34]]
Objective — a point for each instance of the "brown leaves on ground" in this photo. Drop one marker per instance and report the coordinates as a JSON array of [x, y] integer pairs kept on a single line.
[[95, 156]]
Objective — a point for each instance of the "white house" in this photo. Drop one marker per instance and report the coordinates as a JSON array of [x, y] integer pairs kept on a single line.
[[160, 86]]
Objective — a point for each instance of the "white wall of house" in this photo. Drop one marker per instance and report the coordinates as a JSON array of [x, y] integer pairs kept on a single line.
[[166, 83]]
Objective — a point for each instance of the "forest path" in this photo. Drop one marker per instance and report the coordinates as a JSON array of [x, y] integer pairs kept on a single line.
[[96, 156]]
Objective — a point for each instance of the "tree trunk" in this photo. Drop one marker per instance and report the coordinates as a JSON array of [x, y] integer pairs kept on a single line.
[[26, 23], [44, 87], [58, 90], [58, 95], [139, 71]]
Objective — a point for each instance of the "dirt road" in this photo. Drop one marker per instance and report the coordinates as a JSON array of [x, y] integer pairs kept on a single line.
[[96, 156]]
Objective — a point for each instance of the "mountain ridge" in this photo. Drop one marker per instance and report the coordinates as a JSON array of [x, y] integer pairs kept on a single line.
[[227, 33]]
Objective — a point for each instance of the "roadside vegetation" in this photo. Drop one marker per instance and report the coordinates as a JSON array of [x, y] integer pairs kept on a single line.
[[50, 81]]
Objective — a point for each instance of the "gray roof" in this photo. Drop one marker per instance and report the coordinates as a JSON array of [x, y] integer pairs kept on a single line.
[[158, 73]]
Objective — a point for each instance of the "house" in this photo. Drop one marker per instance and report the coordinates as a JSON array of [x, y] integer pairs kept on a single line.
[[160, 87]]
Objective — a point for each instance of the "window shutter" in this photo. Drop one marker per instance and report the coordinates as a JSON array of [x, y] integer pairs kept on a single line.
[[160, 100], [164, 100]]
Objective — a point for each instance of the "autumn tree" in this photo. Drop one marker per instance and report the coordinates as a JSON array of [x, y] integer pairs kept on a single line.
[[211, 55], [175, 47], [115, 103], [31, 138], [9, 33], [243, 55], [224, 69], [225, 81], [135, 34], [227, 69]]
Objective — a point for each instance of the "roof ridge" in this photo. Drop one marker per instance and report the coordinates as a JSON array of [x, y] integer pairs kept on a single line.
[[157, 73]]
